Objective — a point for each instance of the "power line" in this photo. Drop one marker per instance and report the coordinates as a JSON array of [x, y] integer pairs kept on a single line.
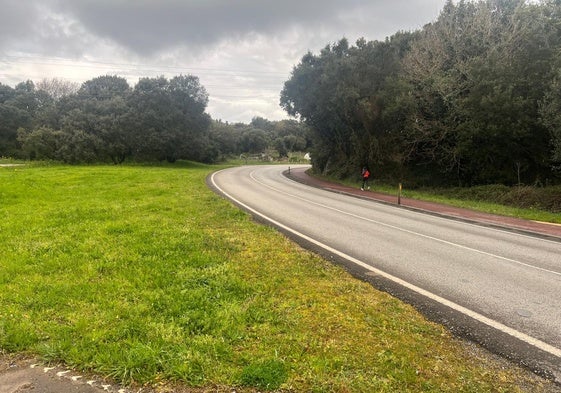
[[231, 73], [59, 61]]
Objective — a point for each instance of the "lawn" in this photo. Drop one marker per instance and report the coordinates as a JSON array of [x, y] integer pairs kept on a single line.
[[143, 275]]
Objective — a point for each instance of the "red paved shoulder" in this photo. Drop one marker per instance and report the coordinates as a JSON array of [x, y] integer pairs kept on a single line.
[[546, 229]]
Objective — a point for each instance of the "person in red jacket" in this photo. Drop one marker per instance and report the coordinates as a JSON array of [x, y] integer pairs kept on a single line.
[[365, 177]]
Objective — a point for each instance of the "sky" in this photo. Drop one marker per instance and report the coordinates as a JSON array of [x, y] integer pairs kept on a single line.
[[242, 51]]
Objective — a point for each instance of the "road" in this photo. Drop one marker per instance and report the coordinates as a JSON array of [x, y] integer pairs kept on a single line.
[[500, 288]]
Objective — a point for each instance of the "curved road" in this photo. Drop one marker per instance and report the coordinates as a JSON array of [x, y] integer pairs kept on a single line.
[[499, 288]]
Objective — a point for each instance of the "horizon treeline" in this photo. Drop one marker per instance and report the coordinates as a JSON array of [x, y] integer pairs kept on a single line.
[[472, 98], [106, 120]]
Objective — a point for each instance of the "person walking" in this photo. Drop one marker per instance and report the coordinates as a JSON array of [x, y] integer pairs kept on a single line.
[[365, 176]]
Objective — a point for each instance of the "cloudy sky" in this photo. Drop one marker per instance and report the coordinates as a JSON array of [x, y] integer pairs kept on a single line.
[[241, 50]]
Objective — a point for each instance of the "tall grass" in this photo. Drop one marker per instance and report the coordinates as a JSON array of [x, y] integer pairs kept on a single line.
[[143, 275]]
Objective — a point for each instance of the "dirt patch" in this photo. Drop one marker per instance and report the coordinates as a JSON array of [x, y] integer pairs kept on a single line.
[[19, 374], [22, 375]]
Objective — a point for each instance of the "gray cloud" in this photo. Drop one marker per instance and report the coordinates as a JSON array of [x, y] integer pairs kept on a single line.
[[242, 50], [35, 27], [16, 21], [147, 27]]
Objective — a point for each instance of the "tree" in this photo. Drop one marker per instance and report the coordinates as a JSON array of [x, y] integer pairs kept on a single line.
[[40, 144], [57, 88], [254, 141], [456, 102], [11, 119], [169, 119], [262, 124], [17, 107], [550, 111], [503, 140], [477, 75], [317, 93], [99, 109], [6, 93], [224, 140], [69, 147], [104, 88], [339, 95]]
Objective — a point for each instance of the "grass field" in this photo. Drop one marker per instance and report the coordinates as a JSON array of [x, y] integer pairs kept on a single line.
[[144, 275]]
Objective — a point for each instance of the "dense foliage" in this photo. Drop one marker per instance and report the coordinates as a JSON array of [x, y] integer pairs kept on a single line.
[[105, 120], [472, 98]]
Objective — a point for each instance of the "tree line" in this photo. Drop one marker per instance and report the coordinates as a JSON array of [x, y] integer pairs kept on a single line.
[[472, 98], [106, 120]]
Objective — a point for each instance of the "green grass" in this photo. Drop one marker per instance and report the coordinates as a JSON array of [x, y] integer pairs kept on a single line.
[[143, 275]]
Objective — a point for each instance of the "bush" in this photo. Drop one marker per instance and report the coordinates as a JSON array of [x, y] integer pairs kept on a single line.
[[548, 199], [542, 198]]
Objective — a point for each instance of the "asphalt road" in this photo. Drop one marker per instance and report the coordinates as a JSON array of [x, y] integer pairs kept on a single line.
[[500, 288]]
